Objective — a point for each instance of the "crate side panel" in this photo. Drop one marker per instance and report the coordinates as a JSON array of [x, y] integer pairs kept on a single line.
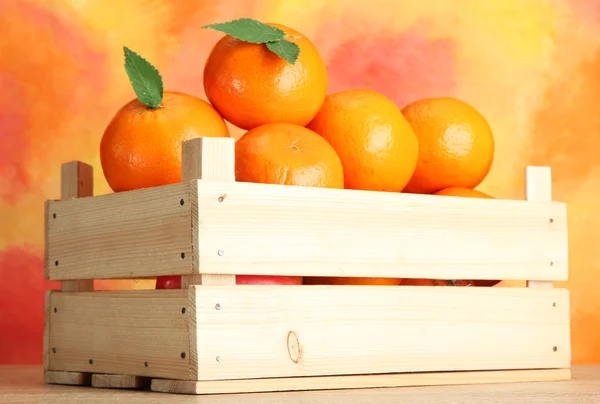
[[123, 235], [288, 331], [291, 230], [117, 332]]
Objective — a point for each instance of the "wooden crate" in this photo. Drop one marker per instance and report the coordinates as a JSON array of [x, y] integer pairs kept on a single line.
[[213, 336]]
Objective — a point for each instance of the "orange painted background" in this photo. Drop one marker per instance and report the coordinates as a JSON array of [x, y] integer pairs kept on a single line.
[[532, 67]]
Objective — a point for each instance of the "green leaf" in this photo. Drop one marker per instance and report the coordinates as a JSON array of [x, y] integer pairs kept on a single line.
[[285, 49], [145, 79], [249, 30]]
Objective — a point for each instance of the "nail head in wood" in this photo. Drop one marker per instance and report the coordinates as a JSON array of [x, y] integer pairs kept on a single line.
[[55, 263], [218, 358], [183, 355], [182, 202], [53, 350], [554, 348], [146, 364], [220, 252], [55, 309], [182, 255], [54, 215], [217, 306], [183, 310], [91, 361]]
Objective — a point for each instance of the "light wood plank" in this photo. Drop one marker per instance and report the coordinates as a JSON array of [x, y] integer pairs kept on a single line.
[[117, 332], [286, 331], [23, 384], [67, 378], [209, 159], [107, 381], [291, 230], [76, 181], [132, 234], [538, 187], [46, 347], [358, 382]]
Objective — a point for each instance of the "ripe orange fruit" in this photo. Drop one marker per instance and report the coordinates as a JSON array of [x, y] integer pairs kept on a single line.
[[456, 145], [464, 192], [251, 86], [376, 145], [141, 146], [316, 280], [283, 153]]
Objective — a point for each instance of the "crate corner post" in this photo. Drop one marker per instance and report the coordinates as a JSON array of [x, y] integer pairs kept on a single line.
[[76, 181], [538, 187], [207, 159]]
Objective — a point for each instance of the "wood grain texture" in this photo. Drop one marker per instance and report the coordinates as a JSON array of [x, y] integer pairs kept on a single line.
[[291, 230], [46, 347], [357, 382], [132, 234], [107, 381], [67, 378], [209, 159], [378, 329], [193, 332], [24, 384], [538, 187], [76, 181], [117, 332]]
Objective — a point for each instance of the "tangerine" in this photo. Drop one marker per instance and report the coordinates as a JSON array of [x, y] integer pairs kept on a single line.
[[464, 192], [283, 153], [252, 86], [377, 146], [456, 145], [141, 146]]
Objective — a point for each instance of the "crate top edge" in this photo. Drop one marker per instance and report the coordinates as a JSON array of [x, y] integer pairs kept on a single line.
[[306, 191]]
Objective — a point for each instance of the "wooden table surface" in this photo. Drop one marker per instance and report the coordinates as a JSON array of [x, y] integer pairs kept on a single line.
[[24, 384]]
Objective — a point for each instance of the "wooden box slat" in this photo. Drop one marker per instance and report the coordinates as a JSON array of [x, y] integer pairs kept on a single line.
[[289, 331], [358, 381], [123, 235], [120, 331], [291, 230], [246, 228]]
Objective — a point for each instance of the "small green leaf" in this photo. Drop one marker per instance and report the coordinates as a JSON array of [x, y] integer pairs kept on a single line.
[[285, 49], [145, 79], [249, 30]]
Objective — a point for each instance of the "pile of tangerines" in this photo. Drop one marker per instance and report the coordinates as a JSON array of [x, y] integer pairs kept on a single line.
[[299, 134]]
